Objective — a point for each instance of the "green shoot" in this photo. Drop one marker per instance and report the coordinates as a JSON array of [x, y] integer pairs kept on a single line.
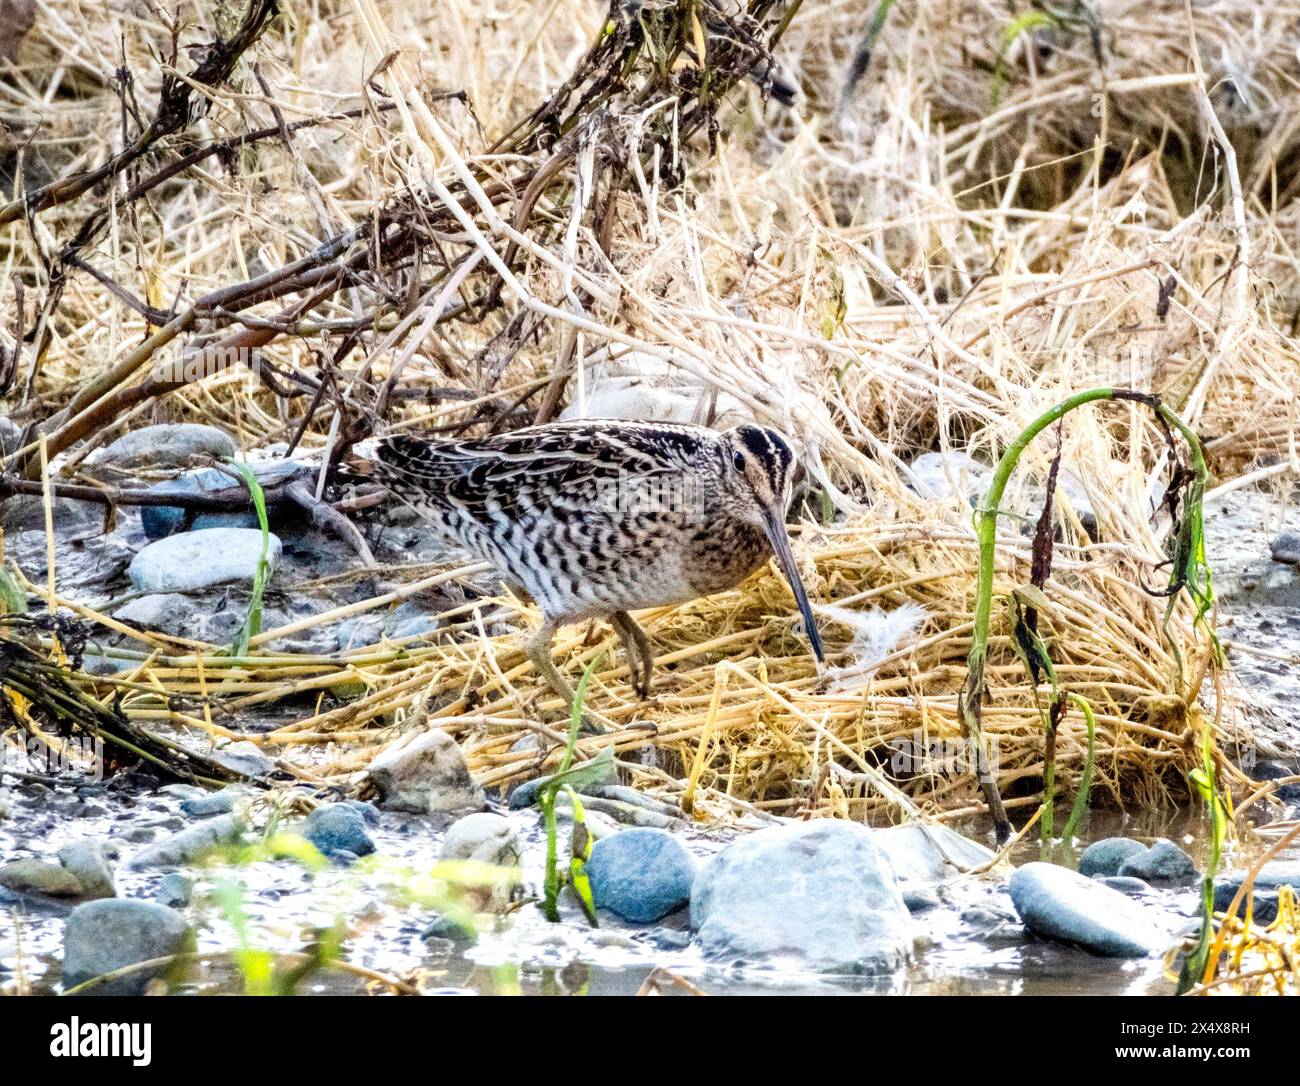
[[1190, 570], [252, 624], [1022, 24], [569, 777]]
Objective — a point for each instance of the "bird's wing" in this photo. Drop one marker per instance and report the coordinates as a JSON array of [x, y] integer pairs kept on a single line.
[[562, 466]]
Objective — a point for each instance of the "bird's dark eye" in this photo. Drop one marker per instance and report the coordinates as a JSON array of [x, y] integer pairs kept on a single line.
[[738, 461]]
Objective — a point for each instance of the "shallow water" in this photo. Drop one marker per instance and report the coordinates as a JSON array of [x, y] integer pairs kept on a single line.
[[283, 903]]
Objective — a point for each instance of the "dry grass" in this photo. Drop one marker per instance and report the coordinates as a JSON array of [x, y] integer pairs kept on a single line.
[[912, 266]]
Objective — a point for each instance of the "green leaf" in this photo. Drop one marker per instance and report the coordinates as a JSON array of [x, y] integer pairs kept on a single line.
[[13, 601], [569, 776], [252, 624], [1030, 596], [595, 771], [1085, 782], [579, 854], [1022, 24]]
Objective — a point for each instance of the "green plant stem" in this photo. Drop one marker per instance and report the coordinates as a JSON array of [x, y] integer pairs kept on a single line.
[[549, 793], [252, 624], [1190, 568], [1085, 782]]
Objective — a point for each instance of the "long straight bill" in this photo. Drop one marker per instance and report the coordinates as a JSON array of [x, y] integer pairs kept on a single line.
[[774, 526]]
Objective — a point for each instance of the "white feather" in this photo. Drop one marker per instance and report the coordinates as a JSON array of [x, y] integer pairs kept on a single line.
[[876, 634]]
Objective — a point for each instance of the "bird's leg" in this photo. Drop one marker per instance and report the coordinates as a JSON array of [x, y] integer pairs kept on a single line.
[[640, 653], [538, 648]]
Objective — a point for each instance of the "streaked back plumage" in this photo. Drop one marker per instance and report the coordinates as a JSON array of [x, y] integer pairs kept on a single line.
[[597, 516]]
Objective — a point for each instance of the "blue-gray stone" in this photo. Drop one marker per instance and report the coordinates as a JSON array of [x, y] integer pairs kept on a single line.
[[641, 875], [104, 936], [338, 827], [525, 795], [1162, 862], [1286, 549], [921, 854], [160, 521], [28, 876], [368, 811], [1060, 904], [168, 445], [1263, 903], [245, 758], [443, 927], [90, 862], [1270, 878], [1272, 771], [410, 620], [193, 560], [1105, 857], [920, 899], [174, 890], [935, 476], [1125, 884], [813, 896], [214, 803], [191, 844]]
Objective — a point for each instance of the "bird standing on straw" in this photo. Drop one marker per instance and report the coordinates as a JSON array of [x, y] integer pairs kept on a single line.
[[596, 518]]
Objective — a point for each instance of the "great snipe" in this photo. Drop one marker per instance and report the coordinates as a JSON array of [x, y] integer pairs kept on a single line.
[[601, 517]]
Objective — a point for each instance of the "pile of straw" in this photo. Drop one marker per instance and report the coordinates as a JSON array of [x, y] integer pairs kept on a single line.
[[996, 212]]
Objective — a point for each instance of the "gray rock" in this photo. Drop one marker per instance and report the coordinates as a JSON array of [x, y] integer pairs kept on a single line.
[[410, 620], [920, 899], [1073, 490], [337, 827], [168, 445], [425, 774], [104, 936], [368, 811], [483, 838], [1263, 905], [525, 795], [175, 891], [1162, 862], [35, 904], [1286, 549], [1063, 905], [90, 862], [813, 896], [1105, 857], [986, 917], [1125, 884], [38, 877], [922, 855], [487, 839], [193, 560], [598, 825], [164, 612], [213, 803], [444, 927], [190, 844], [641, 875], [1270, 878], [183, 791], [1272, 771], [245, 758]]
